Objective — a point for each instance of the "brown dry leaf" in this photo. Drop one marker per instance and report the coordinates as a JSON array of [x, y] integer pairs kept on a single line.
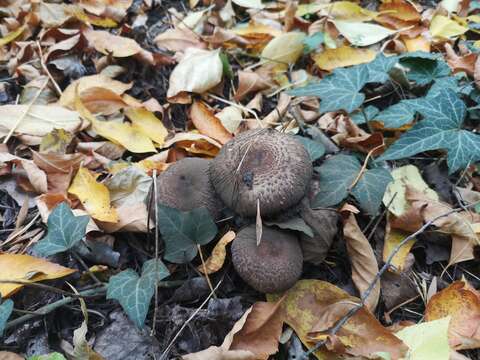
[[462, 303], [92, 81], [250, 82], [7, 355], [313, 306], [419, 43], [100, 100], [94, 196], [401, 9], [207, 123], [27, 268], [194, 143], [114, 45], [179, 40], [114, 9], [330, 59], [364, 262], [463, 63], [37, 178], [219, 252]]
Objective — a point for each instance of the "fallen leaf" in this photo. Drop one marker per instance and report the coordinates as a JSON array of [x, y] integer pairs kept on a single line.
[[428, 340], [195, 143], [231, 117], [401, 9], [114, 9], [346, 10], [39, 119], [330, 59], [207, 123], [12, 35], [27, 268], [147, 123], [363, 260], [94, 196], [362, 34], [393, 237], [251, 4], [464, 63], [178, 40], [100, 100], [114, 45], [419, 43], [250, 82], [462, 303], [444, 28], [314, 306], [284, 49], [36, 176], [198, 71]]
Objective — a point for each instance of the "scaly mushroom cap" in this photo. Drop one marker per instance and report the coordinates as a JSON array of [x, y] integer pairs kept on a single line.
[[185, 185], [273, 266], [261, 164]]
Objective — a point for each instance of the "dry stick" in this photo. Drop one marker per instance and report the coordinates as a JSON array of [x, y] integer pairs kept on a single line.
[[12, 236], [205, 271], [155, 210], [19, 120], [86, 268], [44, 310], [44, 67], [241, 107], [364, 167], [167, 350], [372, 284]]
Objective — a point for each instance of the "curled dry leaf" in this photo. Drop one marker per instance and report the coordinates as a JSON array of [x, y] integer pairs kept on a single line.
[[219, 252], [37, 178], [27, 268], [179, 40], [207, 123], [94, 196], [231, 117], [114, 45], [312, 307], [364, 262], [195, 143], [250, 82], [198, 71], [463, 63], [462, 303]]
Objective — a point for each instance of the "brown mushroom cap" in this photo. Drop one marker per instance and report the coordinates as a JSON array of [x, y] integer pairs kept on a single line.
[[261, 164], [185, 185], [273, 266]]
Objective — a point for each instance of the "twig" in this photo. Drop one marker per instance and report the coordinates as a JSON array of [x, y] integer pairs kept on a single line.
[[20, 232], [372, 284], [44, 310], [364, 167], [167, 350], [44, 67], [86, 268], [155, 211], [241, 107], [205, 271], [379, 219], [20, 119]]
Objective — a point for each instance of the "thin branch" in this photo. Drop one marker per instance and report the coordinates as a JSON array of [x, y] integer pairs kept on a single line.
[[155, 211], [364, 167]]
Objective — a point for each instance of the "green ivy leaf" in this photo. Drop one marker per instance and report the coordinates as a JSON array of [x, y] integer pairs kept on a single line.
[[440, 129], [64, 231], [294, 223], [370, 189], [397, 115], [6, 309], [378, 69], [423, 69], [337, 175], [134, 292], [182, 231], [314, 148], [338, 91], [359, 118], [312, 42]]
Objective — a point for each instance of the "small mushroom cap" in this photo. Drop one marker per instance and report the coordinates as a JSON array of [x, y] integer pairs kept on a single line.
[[264, 164], [273, 266], [185, 185]]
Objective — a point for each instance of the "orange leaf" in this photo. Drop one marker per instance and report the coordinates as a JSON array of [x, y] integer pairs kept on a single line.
[[207, 123], [462, 303], [216, 260]]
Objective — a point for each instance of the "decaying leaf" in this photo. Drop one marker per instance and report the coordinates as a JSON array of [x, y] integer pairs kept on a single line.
[[207, 123], [219, 252]]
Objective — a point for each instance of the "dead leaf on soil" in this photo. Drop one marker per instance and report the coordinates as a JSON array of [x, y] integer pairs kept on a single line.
[[219, 252], [207, 123]]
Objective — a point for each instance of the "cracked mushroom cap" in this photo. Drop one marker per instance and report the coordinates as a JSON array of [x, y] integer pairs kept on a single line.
[[261, 164], [273, 266], [185, 185]]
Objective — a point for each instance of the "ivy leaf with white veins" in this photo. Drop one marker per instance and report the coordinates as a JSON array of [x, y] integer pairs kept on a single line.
[[370, 189], [134, 292], [440, 129], [339, 172], [424, 70], [65, 230], [358, 117], [182, 231], [338, 91], [397, 115], [378, 69], [6, 309], [314, 148]]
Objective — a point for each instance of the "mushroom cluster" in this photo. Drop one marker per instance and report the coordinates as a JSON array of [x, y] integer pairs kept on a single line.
[[263, 169]]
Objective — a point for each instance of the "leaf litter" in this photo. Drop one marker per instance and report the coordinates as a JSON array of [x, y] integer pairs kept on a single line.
[[100, 98]]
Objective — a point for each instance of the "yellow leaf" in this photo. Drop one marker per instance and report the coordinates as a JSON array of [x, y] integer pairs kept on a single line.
[[330, 59], [119, 133], [393, 237], [445, 28], [94, 196], [12, 36], [81, 15], [284, 49], [27, 268], [216, 260], [419, 43], [148, 124]]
